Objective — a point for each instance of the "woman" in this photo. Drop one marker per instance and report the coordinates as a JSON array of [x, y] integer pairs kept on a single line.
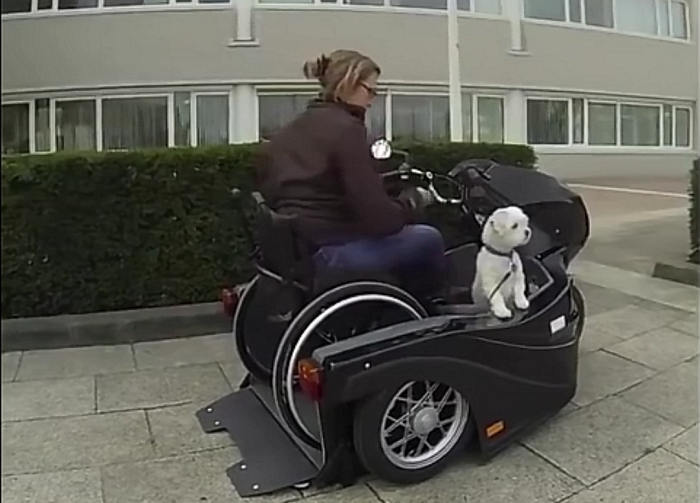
[[320, 168]]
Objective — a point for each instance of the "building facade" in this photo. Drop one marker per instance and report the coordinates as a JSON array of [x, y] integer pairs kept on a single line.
[[598, 87]]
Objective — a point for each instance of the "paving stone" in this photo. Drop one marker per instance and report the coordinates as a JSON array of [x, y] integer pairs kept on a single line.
[[10, 364], [599, 299], [685, 445], [593, 339], [687, 324], [176, 431], [359, 493], [672, 394], [77, 442], [42, 399], [159, 388], [515, 476], [597, 440], [602, 374], [659, 477], [660, 349], [193, 478], [234, 372], [629, 321], [189, 351], [76, 486], [75, 362]]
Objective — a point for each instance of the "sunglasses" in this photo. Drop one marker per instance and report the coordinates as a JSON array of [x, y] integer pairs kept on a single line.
[[372, 91]]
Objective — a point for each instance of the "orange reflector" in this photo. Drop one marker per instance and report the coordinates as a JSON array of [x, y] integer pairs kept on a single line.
[[310, 378], [495, 429]]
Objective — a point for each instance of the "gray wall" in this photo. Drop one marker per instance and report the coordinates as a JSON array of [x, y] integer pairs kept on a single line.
[[191, 46], [620, 165]]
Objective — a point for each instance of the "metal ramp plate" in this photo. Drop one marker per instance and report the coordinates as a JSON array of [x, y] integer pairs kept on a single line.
[[271, 459]]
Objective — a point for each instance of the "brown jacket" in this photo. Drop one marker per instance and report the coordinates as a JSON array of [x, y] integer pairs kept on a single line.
[[320, 168]]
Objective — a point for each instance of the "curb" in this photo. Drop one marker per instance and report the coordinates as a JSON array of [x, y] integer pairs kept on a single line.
[[687, 274], [115, 327]]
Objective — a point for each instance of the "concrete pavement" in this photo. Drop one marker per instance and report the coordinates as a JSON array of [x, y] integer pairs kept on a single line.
[[116, 424]]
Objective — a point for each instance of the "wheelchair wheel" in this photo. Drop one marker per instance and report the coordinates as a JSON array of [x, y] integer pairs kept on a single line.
[[242, 310], [580, 303], [339, 313], [410, 433]]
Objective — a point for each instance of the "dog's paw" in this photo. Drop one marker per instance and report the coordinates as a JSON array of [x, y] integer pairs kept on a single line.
[[502, 313], [521, 303]]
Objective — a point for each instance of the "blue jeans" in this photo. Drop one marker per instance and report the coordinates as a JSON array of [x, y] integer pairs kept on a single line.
[[415, 254]]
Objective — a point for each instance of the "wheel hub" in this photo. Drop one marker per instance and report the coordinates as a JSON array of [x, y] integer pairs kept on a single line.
[[425, 420]]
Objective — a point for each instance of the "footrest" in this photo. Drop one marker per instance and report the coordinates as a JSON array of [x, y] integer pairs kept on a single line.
[[271, 460]]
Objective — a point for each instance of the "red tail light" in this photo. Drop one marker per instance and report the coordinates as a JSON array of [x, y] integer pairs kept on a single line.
[[229, 300], [310, 378]]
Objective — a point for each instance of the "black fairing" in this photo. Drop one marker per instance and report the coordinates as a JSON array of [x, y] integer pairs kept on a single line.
[[558, 215]]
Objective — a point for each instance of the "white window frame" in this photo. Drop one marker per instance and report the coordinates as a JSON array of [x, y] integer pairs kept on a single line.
[[31, 122], [194, 133], [601, 101], [399, 91], [98, 117], [570, 117], [100, 8], [691, 126], [476, 136], [386, 6], [170, 117]]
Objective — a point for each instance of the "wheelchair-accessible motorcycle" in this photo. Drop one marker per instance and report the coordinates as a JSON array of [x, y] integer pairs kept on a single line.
[[351, 373]]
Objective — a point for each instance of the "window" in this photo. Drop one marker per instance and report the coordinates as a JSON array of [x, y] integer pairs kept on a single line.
[[44, 4], [578, 120], [668, 125], [76, 125], [467, 133], [599, 13], [640, 125], [490, 119], [679, 19], [575, 15], [132, 123], [364, 2], [212, 119], [182, 119], [422, 4], [547, 122], [420, 117], [551, 10], [602, 123], [275, 111], [638, 16], [126, 3], [683, 117], [76, 4], [487, 6], [42, 126], [16, 6], [376, 118], [15, 128]]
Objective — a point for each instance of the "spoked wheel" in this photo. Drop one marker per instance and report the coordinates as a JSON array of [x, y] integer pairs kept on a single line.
[[421, 426], [345, 311]]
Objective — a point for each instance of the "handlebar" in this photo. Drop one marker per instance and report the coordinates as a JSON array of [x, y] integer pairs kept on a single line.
[[405, 170]]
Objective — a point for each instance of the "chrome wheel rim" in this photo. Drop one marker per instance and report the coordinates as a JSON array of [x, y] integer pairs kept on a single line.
[[422, 424]]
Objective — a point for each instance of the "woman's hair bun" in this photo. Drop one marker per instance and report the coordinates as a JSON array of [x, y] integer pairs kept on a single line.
[[316, 69]]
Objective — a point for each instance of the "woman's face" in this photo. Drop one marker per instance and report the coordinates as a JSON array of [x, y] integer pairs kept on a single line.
[[365, 92]]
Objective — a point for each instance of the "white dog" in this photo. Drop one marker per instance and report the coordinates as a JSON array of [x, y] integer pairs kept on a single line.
[[499, 274]]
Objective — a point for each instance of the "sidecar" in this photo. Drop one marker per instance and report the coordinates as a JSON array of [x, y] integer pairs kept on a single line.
[[354, 374]]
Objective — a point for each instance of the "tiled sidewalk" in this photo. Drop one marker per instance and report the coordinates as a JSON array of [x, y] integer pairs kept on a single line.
[[116, 424]]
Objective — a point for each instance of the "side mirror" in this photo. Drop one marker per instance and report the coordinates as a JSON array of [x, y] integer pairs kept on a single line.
[[381, 149]]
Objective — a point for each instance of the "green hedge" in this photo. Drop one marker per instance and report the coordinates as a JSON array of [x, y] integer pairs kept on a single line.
[[694, 207], [107, 231]]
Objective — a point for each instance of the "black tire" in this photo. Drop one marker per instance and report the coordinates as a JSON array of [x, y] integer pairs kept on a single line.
[[367, 428], [291, 338], [244, 304]]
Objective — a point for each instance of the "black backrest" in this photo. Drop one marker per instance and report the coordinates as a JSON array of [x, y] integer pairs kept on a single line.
[[280, 249]]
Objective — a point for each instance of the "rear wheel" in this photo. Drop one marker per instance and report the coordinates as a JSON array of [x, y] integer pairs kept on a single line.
[[580, 303], [411, 433], [343, 312]]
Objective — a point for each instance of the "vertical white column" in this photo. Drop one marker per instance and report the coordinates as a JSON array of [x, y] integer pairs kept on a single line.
[[244, 21], [515, 118], [513, 9], [99, 128], [52, 124], [32, 126], [171, 119], [455, 80], [245, 113]]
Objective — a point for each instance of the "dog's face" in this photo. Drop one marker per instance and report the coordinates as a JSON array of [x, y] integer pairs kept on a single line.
[[507, 228]]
